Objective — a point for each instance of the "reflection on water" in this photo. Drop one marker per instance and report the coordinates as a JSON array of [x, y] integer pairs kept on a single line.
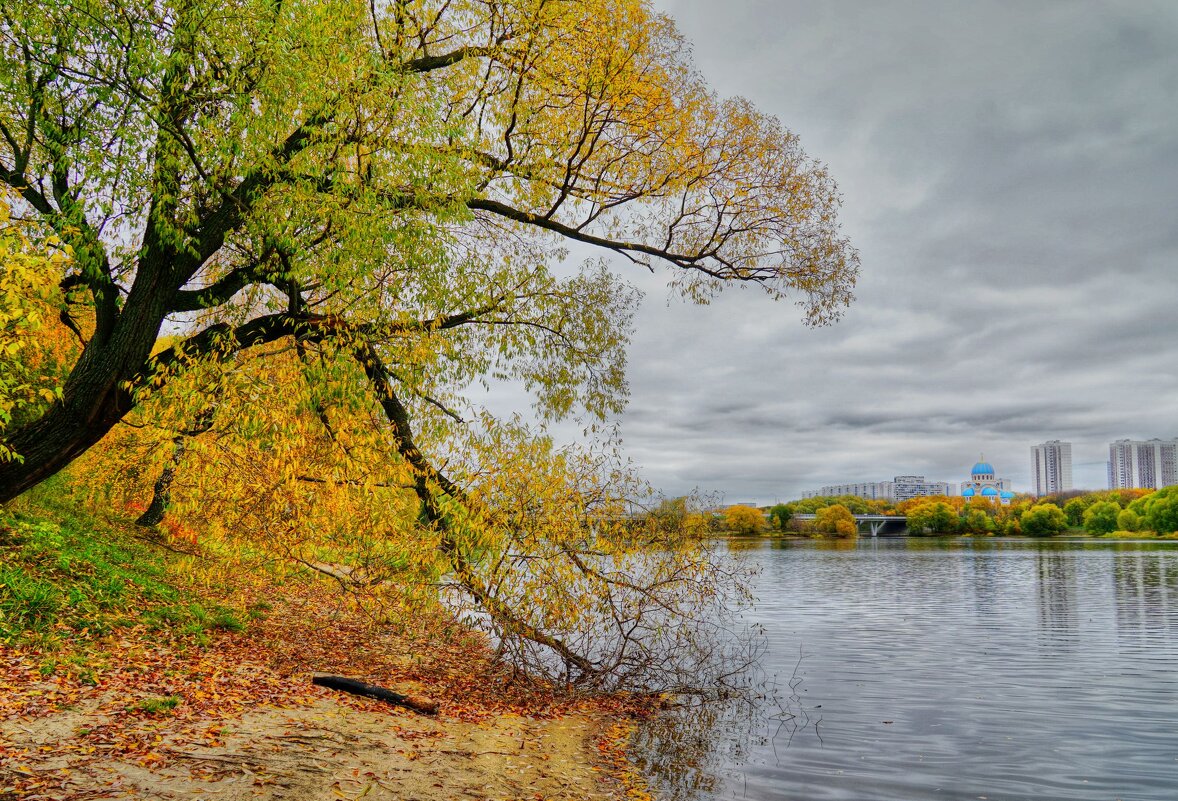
[[945, 669]]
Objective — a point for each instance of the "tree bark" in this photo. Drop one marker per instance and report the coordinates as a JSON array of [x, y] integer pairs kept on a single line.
[[161, 493]]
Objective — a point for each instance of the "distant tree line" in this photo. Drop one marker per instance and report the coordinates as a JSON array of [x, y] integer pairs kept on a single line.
[[1133, 512]]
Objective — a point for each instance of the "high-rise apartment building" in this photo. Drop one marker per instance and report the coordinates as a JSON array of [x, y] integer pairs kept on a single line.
[[1051, 467], [1142, 464]]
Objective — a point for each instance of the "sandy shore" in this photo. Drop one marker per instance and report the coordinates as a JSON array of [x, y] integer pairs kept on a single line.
[[320, 751]]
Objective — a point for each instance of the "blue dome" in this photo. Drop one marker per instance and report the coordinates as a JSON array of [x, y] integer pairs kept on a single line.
[[982, 469], [967, 492], [989, 492], [1007, 494]]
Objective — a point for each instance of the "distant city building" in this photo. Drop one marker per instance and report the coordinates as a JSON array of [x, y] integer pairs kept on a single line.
[[900, 488], [1142, 464], [865, 489], [903, 488], [983, 484], [1051, 467]]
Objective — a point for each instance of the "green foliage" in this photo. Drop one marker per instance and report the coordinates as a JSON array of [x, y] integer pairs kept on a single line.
[[1074, 510], [1128, 520], [1159, 510], [934, 517], [401, 176], [156, 706], [1043, 520], [1102, 517], [781, 515], [975, 520], [67, 577]]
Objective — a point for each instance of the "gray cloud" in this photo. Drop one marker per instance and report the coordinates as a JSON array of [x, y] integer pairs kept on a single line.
[[1010, 175]]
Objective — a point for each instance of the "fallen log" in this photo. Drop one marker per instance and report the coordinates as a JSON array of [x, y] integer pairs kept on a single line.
[[425, 706]]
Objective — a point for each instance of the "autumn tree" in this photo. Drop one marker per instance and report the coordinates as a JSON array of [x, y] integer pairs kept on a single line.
[[29, 297], [1158, 511], [932, 517], [955, 502], [741, 519], [539, 543], [1101, 517], [837, 520], [398, 178], [1043, 520], [345, 215], [781, 515]]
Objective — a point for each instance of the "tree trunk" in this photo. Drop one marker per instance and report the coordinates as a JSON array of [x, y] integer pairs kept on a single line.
[[63, 434], [162, 491], [95, 396]]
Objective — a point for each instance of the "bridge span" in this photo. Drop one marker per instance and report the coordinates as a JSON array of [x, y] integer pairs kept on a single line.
[[878, 525]]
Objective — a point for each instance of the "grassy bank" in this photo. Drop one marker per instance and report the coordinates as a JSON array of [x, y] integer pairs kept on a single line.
[[69, 579], [132, 667]]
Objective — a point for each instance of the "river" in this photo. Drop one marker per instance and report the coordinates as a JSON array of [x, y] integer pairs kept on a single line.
[[907, 669]]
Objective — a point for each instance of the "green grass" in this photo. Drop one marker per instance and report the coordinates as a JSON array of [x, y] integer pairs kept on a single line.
[[156, 706], [68, 577]]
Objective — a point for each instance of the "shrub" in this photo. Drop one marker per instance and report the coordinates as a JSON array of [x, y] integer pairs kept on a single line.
[[1101, 517], [744, 520], [1043, 520], [837, 520], [936, 517], [1128, 520]]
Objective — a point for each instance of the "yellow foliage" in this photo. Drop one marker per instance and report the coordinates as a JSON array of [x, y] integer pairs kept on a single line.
[[539, 541], [29, 276], [836, 519], [744, 520]]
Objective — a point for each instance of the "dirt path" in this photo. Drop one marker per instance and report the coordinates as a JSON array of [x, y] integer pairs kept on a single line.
[[324, 751]]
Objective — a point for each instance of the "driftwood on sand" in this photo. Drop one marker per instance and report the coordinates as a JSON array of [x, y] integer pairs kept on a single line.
[[425, 706]]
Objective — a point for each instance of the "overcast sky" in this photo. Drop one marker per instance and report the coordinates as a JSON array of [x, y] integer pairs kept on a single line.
[[1010, 178]]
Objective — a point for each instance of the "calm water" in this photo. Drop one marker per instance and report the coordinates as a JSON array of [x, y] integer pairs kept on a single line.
[[950, 669]]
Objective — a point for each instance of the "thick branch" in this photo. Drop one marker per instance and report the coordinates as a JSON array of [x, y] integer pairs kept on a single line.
[[428, 63], [694, 262], [236, 205], [222, 291]]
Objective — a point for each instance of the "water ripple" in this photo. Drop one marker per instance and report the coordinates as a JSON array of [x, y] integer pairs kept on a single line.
[[1004, 670]]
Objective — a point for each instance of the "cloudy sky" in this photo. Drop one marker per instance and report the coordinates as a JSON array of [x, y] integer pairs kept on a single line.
[[1010, 178]]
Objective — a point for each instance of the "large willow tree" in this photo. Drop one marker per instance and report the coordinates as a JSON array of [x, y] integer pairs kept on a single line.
[[282, 240], [398, 178]]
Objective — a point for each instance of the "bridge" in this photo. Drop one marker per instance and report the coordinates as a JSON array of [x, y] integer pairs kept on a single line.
[[877, 524]]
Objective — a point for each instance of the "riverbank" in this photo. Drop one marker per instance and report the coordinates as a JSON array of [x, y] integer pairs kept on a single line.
[[132, 669]]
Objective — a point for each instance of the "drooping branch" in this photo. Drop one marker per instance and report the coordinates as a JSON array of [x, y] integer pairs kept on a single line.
[[427, 478]]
